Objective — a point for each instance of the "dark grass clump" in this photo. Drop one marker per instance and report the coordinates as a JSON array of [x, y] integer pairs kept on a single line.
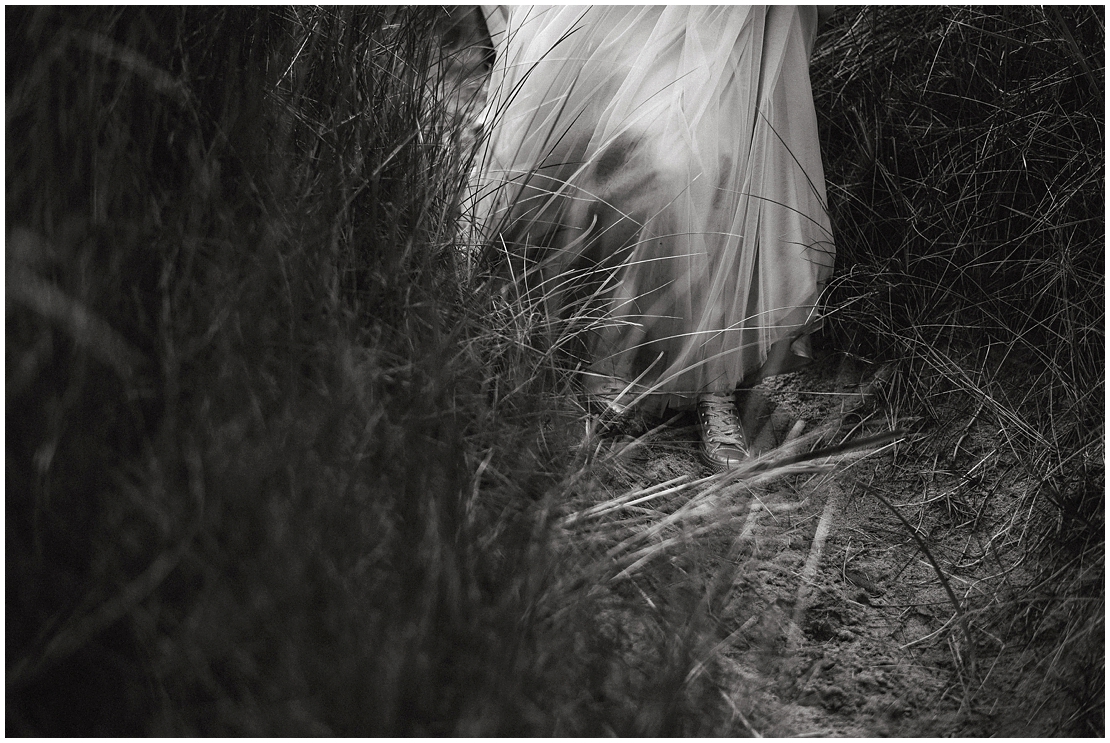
[[965, 163], [204, 229], [261, 479]]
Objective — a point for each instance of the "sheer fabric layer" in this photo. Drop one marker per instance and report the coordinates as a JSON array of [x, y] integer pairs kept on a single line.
[[661, 166]]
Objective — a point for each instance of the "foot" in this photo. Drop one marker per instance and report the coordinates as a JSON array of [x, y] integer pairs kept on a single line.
[[609, 396], [611, 405], [722, 442]]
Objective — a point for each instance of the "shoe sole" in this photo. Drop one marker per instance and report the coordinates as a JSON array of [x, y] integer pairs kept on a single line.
[[717, 465]]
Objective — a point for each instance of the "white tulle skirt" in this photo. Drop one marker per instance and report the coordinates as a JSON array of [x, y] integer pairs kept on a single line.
[[659, 170]]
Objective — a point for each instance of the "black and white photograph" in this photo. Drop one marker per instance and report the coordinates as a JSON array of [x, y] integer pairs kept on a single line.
[[555, 371]]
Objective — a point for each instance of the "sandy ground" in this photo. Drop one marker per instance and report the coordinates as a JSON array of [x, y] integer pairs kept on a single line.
[[837, 622]]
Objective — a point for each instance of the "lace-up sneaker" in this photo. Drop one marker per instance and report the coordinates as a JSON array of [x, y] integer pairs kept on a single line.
[[722, 441]]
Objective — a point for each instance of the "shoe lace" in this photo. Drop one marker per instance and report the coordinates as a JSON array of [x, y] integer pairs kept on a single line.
[[719, 422]]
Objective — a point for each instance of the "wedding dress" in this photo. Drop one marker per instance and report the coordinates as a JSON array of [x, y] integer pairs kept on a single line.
[[658, 169]]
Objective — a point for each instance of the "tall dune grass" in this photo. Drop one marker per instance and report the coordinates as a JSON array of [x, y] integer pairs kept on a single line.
[[965, 156], [247, 398]]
